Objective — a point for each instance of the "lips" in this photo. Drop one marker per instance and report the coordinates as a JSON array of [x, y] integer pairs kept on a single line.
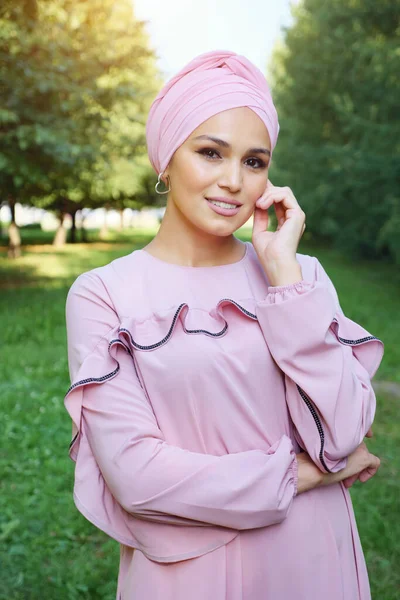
[[225, 212]]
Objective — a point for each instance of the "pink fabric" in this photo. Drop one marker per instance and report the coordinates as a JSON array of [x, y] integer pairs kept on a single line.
[[192, 388], [210, 83]]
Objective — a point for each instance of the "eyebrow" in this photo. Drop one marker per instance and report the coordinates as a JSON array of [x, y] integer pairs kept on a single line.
[[226, 145]]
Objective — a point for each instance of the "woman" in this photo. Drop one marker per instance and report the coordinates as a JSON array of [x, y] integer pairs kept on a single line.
[[219, 395]]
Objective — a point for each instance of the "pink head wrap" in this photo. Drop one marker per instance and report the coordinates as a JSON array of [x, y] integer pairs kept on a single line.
[[208, 84]]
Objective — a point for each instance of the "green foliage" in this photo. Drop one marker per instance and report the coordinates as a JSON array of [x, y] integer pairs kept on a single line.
[[336, 87], [77, 79]]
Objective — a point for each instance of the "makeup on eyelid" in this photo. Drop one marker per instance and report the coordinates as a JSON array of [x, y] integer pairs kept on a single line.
[[203, 152]]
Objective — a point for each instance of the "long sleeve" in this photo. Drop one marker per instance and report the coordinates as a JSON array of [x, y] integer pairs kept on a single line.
[[328, 361], [148, 477]]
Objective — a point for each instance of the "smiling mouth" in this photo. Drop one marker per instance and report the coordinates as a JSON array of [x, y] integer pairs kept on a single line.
[[221, 204]]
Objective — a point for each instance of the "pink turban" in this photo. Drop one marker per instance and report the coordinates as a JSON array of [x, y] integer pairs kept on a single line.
[[208, 84]]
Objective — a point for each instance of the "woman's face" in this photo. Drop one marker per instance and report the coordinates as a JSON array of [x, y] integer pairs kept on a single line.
[[233, 165]]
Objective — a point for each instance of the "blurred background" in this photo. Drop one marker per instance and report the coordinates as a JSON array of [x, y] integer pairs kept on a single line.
[[77, 78]]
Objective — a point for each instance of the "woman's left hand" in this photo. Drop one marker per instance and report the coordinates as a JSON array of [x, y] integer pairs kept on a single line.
[[278, 246]]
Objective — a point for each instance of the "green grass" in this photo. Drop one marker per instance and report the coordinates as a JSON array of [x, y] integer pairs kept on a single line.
[[48, 550]]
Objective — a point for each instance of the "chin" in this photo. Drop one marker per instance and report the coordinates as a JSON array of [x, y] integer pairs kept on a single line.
[[223, 229]]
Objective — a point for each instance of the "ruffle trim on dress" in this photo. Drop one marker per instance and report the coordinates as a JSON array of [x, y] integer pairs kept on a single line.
[[158, 329], [99, 366], [367, 348], [318, 424]]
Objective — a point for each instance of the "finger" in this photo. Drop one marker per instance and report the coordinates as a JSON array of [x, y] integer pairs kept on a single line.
[[265, 200], [370, 471], [260, 221], [353, 478], [281, 196], [367, 474], [269, 187], [280, 214], [349, 481], [270, 196]]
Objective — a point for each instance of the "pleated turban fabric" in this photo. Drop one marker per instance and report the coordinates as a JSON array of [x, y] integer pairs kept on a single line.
[[210, 83]]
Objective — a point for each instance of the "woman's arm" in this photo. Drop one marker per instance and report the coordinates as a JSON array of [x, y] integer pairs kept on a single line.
[[148, 477], [328, 361], [157, 481]]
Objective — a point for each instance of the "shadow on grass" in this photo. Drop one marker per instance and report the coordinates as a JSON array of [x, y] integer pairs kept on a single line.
[[36, 237], [46, 265]]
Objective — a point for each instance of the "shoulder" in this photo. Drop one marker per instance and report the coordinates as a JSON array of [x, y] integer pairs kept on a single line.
[[314, 271], [312, 268], [309, 266], [92, 309], [108, 282]]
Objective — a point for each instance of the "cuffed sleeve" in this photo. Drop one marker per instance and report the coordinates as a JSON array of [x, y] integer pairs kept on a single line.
[[328, 361]]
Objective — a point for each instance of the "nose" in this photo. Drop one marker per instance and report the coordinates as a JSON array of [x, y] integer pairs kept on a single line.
[[231, 177]]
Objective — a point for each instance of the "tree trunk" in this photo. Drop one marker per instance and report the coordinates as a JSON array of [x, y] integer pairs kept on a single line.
[[73, 227], [61, 234], [14, 238], [84, 238]]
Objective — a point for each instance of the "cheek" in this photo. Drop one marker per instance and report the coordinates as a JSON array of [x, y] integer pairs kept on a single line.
[[256, 186], [195, 174]]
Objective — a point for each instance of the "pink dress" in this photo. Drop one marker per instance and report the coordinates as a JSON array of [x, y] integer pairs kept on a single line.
[[192, 390]]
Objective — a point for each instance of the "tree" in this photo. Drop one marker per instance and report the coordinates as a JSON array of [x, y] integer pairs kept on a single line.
[[78, 79], [336, 87]]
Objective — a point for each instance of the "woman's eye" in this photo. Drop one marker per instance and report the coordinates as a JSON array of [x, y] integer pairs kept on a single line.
[[260, 164], [207, 152]]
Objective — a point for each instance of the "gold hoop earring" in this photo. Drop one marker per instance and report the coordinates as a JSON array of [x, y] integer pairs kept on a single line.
[[159, 181]]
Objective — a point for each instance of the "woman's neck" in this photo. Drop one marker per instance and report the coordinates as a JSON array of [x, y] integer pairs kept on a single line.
[[179, 242]]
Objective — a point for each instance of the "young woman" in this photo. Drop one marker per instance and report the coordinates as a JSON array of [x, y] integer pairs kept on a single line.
[[219, 395]]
